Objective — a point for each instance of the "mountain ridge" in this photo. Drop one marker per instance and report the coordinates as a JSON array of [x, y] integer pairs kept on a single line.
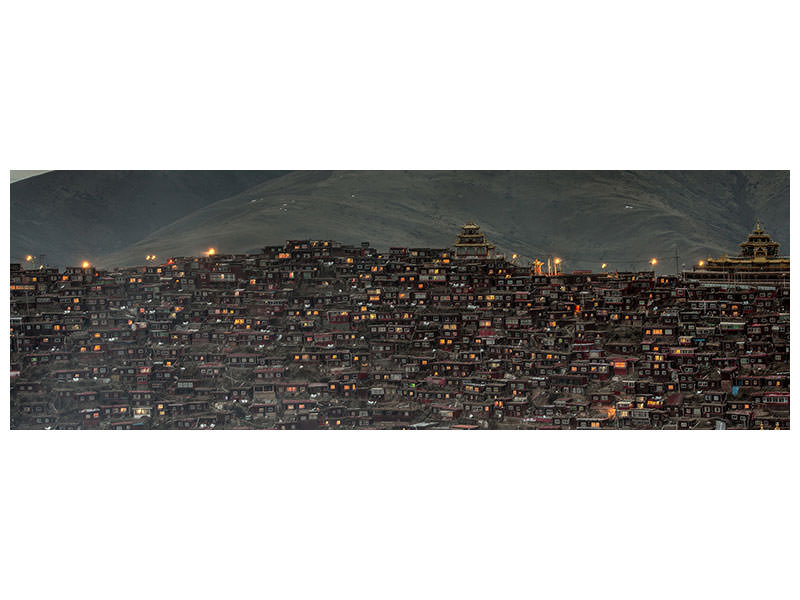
[[586, 217], [72, 216]]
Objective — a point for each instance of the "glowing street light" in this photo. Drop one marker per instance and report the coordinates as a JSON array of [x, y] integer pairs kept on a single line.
[[653, 262], [603, 266], [29, 258], [701, 263], [211, 252], [86, 264], [557, 261]]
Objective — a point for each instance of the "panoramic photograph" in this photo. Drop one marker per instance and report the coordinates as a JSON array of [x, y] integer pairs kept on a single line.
[[266, 260], [406, 300]]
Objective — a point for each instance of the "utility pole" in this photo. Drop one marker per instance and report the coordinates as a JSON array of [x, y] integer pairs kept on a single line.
[[676, 260]]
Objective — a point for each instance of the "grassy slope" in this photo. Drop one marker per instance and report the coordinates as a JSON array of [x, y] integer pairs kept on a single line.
[[580, 216], [76, 215]]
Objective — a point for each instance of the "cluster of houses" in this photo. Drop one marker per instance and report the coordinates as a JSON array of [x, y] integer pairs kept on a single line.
[[316, 334]]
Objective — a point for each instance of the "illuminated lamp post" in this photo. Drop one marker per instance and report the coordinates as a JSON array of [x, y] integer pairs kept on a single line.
[[34, 260]]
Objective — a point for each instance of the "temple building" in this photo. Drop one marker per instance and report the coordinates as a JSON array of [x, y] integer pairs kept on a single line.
[[472, 243], [758, 262]]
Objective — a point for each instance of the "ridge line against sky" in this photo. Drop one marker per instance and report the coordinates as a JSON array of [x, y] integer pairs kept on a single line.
[[20, 175]]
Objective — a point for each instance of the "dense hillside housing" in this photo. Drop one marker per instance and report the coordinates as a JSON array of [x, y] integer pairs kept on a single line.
[[314, 334]]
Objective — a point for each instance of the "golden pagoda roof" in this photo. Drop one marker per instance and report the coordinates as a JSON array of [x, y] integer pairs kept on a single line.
[[758, 251], [759, 244], [471, 236]]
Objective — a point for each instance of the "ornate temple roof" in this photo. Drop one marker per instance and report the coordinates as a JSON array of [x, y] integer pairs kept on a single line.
[[758, 256], [759, 243], [471, 236]]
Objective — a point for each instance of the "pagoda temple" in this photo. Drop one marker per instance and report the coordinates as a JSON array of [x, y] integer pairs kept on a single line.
[[471, 243], [758, 262], [759, 244]]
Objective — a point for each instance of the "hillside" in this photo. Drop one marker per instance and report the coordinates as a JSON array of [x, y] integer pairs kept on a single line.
[[75, 215], [622, 217]]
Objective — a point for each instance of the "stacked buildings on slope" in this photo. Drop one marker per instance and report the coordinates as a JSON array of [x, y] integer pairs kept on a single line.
[[315, 334]]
